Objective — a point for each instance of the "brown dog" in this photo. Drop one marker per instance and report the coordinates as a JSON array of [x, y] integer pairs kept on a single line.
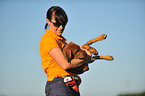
[[73, 51]]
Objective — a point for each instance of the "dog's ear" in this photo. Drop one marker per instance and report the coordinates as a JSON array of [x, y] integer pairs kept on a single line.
[[69, 55]]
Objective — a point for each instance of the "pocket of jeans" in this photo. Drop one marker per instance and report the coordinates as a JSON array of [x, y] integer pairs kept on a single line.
[[47, 89], [63, 90]]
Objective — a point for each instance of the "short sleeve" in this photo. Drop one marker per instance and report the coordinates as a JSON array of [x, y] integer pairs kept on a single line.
[[47, 43]]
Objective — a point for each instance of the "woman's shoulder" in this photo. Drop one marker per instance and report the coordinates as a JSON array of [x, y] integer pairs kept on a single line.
[[47, 38], [47, 35]]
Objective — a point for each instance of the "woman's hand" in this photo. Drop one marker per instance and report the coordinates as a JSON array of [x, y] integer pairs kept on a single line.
[[89, 55], [91, 59], [88, 52]]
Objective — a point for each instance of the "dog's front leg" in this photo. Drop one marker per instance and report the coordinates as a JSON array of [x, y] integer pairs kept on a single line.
[[99, 38], [90, 49]]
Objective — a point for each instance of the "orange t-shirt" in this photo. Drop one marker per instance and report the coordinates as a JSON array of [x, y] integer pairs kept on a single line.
[[48, 41]]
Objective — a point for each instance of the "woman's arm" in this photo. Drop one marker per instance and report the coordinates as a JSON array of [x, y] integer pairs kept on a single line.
[[58, 57]]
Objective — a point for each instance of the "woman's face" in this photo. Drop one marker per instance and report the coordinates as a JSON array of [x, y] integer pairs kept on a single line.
[[58, 30]]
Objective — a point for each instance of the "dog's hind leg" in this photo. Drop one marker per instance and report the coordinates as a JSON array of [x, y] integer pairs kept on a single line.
[[99, 38]]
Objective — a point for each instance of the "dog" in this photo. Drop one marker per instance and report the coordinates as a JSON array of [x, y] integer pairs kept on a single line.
[[74, 51]]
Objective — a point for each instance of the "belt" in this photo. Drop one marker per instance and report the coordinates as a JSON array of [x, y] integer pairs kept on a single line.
[[68, 78]]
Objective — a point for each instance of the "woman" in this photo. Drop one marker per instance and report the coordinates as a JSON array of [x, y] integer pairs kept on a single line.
[[59, 81]]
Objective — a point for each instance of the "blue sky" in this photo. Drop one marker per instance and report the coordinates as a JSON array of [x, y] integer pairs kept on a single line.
[[22, 25]]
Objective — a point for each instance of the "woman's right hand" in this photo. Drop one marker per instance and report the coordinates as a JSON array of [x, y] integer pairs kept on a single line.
[[88, 52]]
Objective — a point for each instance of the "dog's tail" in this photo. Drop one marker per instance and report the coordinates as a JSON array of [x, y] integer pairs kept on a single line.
[[99, 38]]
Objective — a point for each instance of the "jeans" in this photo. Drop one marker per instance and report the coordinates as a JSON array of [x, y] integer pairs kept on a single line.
[[58, 88]]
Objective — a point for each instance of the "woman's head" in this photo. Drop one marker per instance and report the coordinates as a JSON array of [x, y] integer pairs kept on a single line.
[[56, 19]]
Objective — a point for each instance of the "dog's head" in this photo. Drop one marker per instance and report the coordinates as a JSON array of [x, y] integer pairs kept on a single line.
[[73, 51]]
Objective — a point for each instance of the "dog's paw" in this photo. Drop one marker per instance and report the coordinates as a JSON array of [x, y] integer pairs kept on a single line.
[[108, 58], [102, 37]]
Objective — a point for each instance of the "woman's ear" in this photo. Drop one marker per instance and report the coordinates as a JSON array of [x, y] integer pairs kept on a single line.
[[48, 22]]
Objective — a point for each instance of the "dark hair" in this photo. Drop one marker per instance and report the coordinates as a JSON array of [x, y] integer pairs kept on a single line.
[[59, 15]]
